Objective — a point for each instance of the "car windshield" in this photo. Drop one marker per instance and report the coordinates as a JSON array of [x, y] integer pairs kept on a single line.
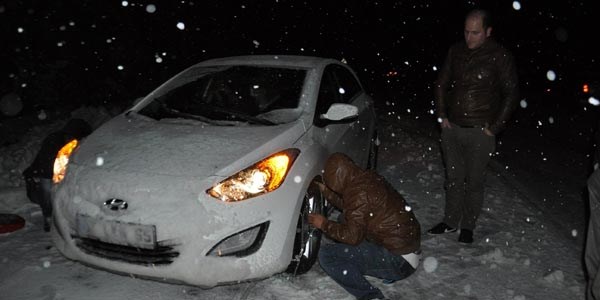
[[230, 95]]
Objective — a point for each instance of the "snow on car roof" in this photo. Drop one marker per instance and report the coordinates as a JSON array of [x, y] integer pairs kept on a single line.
[[283, 60]]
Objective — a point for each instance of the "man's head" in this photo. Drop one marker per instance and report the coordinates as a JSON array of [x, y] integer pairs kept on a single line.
[[338, 172], [477, 28], [76, 128]]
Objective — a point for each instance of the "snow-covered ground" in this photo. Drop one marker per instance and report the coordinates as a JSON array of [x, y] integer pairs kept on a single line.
[[521, 250]]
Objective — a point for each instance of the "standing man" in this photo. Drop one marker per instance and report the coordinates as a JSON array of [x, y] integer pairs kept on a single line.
[[38, 176], [380, 235], [592, 242], [475, 94]]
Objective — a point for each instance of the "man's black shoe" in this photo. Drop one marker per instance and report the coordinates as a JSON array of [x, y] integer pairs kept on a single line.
[[441, 228], [47, 221], [466, 236]]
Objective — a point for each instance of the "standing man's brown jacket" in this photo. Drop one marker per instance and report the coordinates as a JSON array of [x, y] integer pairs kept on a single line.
[[477, 86]]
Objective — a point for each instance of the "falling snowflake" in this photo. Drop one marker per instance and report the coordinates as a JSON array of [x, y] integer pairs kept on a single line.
[[550, 75], [42, 115], [516, 5], [430, 264], [523, 103]]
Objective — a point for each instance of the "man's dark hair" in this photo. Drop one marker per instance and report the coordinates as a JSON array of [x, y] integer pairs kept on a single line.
[[486, 18], [77, 128]]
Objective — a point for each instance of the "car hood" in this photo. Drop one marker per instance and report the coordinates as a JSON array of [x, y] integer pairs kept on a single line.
[[140, 145]]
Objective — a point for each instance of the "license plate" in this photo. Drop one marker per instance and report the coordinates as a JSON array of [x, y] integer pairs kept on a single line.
[[115, 232]]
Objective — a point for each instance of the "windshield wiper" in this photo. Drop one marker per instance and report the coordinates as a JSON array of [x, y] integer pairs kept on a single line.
[[241, 115], [178, 113]]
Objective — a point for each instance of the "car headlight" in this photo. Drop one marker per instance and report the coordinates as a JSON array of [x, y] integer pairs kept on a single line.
[[262, 177], [61, 161]]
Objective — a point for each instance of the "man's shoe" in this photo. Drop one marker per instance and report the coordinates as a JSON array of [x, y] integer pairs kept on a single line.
[[441, 228], [466, 236], [47, 226]]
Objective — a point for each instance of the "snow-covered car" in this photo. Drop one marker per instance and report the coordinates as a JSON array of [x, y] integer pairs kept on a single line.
[[208, 179]]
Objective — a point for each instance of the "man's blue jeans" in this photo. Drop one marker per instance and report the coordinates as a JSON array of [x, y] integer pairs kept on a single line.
[[348, 264]]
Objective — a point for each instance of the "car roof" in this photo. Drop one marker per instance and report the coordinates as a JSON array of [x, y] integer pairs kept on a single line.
[[277, 60]]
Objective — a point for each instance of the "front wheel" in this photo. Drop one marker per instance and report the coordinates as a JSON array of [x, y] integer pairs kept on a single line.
[[308, 238]]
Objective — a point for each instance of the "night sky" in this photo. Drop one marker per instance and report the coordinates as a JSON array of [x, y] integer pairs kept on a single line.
[[66, 53]]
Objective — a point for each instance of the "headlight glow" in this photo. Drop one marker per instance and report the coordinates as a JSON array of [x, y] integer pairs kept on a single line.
[[61, 161], [263, 177]]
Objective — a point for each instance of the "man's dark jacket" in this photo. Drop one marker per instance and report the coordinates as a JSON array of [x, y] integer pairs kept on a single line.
[[372, 208], [43, 163], [477, 86]]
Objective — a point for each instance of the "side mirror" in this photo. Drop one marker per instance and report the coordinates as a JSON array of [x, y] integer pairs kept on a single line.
[[340, 112]]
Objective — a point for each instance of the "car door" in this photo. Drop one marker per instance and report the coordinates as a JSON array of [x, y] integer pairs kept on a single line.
[[344, 136], [362, 129]]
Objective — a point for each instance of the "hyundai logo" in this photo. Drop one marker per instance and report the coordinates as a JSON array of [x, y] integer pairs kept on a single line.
[[115, 204]]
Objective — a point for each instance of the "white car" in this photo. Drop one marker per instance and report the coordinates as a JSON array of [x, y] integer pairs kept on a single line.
[[208, 179]]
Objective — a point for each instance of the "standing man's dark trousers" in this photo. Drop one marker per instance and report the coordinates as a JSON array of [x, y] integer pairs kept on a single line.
[[592, 245], [467, 152], [39, 192]]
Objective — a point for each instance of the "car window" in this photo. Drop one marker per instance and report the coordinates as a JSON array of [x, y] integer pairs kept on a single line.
[[237, 93], [329, 91], [338, 85], [349, 86]]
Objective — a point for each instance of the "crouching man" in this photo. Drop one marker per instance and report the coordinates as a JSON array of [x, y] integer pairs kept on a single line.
[[379, 237]]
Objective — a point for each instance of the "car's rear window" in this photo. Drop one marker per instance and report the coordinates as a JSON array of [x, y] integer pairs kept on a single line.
[[235, 93]]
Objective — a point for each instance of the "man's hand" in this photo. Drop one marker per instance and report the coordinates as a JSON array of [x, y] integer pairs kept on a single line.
[[445, 123], [317, 220], [321, 186]]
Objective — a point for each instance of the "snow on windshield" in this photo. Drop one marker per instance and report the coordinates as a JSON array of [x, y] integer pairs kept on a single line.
[[262, 95]]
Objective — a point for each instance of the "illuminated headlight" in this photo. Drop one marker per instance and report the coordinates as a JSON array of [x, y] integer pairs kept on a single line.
[[62, 160], [263, 177]]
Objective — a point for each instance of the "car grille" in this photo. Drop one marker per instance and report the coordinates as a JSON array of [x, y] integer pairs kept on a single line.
[[160, 255]]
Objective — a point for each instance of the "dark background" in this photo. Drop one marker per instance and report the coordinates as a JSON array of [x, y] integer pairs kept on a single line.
[[61, 54]]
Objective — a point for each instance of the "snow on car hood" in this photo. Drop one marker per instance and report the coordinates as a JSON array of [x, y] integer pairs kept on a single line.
[[135, 144]]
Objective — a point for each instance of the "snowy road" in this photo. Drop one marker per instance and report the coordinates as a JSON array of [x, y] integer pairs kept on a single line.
[[518, 253]]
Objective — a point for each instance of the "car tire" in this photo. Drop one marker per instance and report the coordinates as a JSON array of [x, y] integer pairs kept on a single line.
[[308, 238], [373, 149]]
